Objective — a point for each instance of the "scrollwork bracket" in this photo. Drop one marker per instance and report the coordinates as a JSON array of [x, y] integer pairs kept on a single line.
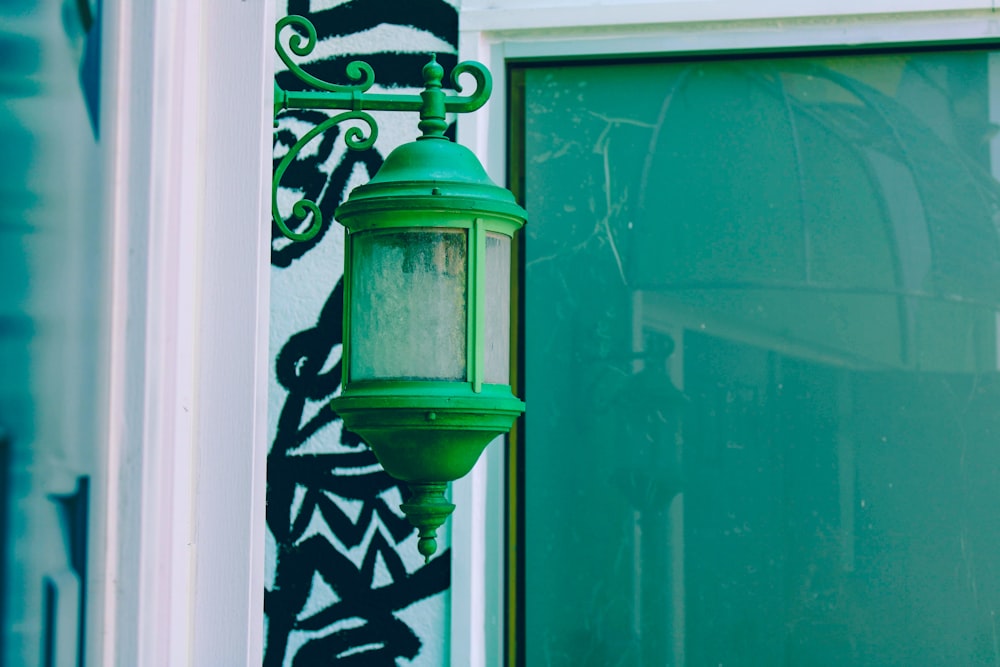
[[354, 101]]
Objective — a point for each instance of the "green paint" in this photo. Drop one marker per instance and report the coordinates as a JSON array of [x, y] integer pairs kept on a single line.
[[432, 104], [429, 184]]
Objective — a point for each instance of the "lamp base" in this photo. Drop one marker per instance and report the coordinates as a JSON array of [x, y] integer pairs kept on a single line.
[[427, 431], [427, 434], [427, 509]]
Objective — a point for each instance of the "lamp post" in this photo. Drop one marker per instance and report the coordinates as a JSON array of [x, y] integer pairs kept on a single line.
[[426, 352]]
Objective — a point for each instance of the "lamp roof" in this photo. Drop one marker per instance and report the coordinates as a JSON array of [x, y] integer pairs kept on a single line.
[[432, 174]]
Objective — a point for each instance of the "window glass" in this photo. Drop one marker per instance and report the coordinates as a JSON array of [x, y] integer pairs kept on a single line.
[[761, 362]]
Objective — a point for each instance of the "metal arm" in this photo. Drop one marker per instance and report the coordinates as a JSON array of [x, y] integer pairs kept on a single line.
[[354, 100]]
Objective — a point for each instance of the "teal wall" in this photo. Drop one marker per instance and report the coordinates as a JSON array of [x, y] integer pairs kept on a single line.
[[52, 252]]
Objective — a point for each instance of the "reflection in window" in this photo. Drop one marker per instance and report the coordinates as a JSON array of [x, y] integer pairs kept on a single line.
[[761, 353]]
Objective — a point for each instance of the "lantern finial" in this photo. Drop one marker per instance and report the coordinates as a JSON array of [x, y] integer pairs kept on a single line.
[[427, 509], [432, 122]]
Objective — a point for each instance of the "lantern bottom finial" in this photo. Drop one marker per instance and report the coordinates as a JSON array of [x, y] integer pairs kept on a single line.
[[427, 509]]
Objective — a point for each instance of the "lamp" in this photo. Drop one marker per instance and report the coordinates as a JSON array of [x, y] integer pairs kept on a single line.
[[426, 352]]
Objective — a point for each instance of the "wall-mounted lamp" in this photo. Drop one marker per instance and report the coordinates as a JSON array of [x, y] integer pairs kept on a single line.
[[426, 353]]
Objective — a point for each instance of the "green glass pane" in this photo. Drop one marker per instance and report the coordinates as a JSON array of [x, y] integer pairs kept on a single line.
[[761, 353]]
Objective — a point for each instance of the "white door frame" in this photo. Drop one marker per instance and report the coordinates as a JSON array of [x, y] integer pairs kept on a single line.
[[177, 542], [497, 33]]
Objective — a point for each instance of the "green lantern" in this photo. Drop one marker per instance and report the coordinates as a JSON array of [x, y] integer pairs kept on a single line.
[[427, 314], [427, 275]]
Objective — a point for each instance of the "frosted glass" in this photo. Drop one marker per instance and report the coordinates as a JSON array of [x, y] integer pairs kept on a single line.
[[496, 368], [409, 301]]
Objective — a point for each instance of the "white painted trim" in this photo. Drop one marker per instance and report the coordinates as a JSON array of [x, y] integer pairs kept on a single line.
[[179, 509], [573, 40], [520, 15], [477, 575], [478, 544], [235, 310], [498, 33]]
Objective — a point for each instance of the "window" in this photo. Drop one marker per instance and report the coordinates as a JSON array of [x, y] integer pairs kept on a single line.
[[761, 340]]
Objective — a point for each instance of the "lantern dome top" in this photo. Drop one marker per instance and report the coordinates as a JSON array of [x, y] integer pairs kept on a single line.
[[432, 174]]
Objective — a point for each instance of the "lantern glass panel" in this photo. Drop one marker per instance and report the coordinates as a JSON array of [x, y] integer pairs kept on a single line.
[[409, 304], [496, 368]]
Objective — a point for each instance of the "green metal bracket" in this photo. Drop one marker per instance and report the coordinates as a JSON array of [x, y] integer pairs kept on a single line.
[[355, 101]]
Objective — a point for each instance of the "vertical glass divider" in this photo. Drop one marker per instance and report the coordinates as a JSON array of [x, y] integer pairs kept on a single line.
[[477, 297], [345, 343]]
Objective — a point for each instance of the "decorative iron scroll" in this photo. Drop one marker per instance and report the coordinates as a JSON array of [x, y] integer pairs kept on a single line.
[[355, 101]]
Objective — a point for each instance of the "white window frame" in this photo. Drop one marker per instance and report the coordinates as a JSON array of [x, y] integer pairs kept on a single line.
[[177, 534], [499, 32]]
